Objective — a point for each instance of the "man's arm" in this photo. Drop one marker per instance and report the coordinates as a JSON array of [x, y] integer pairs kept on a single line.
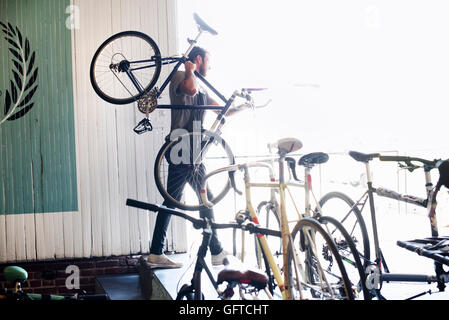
[[187, 86]]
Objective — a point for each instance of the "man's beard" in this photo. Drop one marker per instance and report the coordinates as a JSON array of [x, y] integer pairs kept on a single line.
[[202, 71]]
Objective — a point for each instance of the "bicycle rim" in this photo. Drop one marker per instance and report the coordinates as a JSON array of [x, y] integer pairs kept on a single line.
[[321, 274], [190, 157], [124, 54]]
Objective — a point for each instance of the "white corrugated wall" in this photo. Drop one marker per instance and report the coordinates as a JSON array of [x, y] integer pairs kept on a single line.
[[113, 163]]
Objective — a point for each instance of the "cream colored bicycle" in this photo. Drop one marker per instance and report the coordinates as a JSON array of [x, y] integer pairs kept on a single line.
[[311, 267]]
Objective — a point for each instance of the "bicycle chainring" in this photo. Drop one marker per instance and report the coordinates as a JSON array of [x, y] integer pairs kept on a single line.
[[148, 102]]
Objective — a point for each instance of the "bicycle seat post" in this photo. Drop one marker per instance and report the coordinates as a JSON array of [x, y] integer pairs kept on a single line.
[[193, 43], [371, 192], [307, 189]]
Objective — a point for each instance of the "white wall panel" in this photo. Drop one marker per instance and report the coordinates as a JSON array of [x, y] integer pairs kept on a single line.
[[112, 162]]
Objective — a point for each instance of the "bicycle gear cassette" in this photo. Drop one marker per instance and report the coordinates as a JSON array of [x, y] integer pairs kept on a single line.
[[148, 102]]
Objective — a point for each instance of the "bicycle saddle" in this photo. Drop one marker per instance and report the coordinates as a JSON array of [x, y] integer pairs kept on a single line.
[[238, 273], [15, 274], [312, 159], [287, 145], [203, 25], [363, 157]]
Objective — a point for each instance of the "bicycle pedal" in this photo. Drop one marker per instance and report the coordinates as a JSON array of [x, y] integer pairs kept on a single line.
[[143, 126]]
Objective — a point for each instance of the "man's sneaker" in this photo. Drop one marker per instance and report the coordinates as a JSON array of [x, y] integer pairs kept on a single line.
[[162, 261], [218, 260]]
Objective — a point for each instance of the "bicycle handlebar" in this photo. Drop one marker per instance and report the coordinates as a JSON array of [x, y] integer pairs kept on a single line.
[[152, 207], [203, 223], [428, 164]]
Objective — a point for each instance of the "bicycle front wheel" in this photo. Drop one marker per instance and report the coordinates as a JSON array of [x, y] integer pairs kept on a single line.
[[316, 270], [125, 66], [182, 164]]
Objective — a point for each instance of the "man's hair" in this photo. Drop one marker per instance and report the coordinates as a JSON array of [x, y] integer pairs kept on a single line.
[[196, 51]]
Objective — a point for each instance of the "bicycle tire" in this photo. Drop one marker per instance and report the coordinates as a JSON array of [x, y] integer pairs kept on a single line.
[[213, 153], [340, 206], [187, 293], [351, 258], [311, 286], [115, 86]]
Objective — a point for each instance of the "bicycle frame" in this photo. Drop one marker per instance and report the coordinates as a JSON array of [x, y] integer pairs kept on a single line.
[[280, 186], [428, 203], [201, 265], [167, 61]]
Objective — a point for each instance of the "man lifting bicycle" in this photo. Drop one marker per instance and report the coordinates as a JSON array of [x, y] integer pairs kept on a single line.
[[185, 90]]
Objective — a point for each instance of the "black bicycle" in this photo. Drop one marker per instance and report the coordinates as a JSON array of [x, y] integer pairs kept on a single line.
[[125, 69], [349, 213], [235, 275], [127, 66]]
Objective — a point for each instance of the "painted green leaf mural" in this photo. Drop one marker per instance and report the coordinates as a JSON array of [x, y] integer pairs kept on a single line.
[[37, 133]]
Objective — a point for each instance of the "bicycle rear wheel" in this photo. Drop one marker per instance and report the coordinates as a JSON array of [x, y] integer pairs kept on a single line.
[[349, 254], [321, 273], [125, 66], [341, 207], [182, 163]]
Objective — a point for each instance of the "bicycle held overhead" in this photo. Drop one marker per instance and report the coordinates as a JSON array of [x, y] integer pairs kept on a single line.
[[127, 67]]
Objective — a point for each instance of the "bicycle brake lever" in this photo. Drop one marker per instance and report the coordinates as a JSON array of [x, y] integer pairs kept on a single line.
[[409, 166], [292, 164], [143, 126]]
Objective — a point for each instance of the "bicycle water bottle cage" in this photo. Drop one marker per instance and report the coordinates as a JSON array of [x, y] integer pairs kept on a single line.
[[143, 126]]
